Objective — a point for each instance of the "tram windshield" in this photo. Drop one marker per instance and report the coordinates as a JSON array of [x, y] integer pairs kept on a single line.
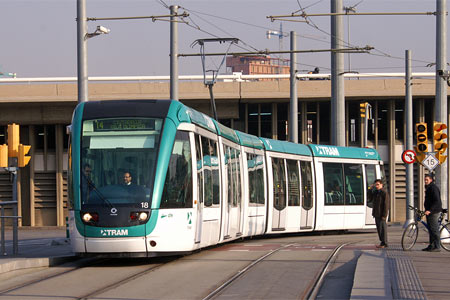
[[118, 158]]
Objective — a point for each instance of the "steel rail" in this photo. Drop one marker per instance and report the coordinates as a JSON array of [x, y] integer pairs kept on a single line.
[[241, 272], [82, 263], [314, 290], [126, 280]]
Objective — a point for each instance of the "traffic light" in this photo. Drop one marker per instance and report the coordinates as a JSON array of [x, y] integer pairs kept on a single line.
[[422, 141], [23, 159], [13, 140], [362, 109], [3, 156], [440, 145]]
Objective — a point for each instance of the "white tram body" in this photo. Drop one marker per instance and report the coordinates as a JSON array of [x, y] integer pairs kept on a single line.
[[224, 185]]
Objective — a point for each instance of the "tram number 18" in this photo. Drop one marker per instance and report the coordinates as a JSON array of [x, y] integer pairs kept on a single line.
[[144, 204]]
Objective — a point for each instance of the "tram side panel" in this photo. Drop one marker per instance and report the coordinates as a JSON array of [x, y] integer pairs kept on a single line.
[[176, 224]]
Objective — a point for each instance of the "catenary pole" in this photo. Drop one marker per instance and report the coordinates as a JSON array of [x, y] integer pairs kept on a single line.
[[440, 108], [82, 51], [174, 52], [293, 126], [337, 77], [409, 137]]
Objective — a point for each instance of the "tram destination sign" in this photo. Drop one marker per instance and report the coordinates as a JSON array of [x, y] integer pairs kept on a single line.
[[124, 124]]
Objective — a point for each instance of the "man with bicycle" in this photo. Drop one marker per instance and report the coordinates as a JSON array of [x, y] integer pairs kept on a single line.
[[433, 208]]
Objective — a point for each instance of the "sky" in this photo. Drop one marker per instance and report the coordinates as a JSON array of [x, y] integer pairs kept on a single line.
[[39, 37]]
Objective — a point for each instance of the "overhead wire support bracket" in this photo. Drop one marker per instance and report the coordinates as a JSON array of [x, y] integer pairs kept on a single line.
[[210, 84], [267, 52], [349, 13], [154, 18]]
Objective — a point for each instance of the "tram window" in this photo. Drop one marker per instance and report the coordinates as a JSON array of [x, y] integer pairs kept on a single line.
[[279, 183], [177, 191], [371, 176], [232, 165], [307, 185], [252, 190], [238, 176], [211, 172], [353, 184], [255, 165], [199, 169], [112, 147], [293, 183], [260, 186], [332, 175]]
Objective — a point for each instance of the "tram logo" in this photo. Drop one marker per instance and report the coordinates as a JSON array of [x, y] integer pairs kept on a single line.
[[324, 150], [114, 232]]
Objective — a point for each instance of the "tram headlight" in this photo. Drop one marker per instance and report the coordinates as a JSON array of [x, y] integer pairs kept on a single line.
[[89, 217], [141, 216]]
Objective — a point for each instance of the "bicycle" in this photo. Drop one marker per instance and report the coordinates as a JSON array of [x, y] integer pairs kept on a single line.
[[411, 232]]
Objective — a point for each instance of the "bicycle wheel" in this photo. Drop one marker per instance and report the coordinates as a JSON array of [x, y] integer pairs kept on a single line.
[[445, 237], [409, 236]]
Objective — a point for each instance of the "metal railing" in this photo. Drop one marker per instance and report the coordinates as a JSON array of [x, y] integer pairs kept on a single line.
[[15, 218]]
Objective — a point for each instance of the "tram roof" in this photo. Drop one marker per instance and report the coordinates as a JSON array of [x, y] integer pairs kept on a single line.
[[226, 132], [186, 114], [344, 152], [250, 140], [286, 147]]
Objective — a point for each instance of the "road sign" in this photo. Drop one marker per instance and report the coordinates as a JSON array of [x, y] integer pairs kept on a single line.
[[430, 162], [408, 156]]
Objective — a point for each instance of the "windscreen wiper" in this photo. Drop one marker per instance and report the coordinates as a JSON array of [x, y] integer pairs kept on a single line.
[[99, 194]]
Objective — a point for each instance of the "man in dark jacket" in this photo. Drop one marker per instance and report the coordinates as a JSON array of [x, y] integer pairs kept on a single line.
[[381, 204], [433, 209]]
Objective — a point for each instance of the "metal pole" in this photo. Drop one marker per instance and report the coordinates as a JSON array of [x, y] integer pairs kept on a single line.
[[213, 102], [337, 77], [173, 53], [293, 126], [440, 107], [3, 230], [15, 220], [409, 138], [82, 51], [366, 125]]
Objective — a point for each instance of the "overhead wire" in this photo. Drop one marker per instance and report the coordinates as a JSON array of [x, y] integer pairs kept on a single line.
[[244, 23], [312, 24], [163, 3]]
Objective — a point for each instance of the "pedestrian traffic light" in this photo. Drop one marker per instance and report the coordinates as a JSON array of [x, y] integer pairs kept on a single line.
[[422, 141], [13, 140], [3, 156], [362, 109], [440, 145], [23, 159]]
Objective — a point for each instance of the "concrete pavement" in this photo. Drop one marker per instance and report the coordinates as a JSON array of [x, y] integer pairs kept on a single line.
[[389, 273]]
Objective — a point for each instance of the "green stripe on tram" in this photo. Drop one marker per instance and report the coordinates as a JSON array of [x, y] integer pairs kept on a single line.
[[344, 152]]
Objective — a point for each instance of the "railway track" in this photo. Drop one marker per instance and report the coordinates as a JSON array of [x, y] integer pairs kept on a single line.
[[313, 288], [73, 267]]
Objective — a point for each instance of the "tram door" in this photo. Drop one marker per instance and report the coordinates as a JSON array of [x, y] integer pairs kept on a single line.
[[199, 171], [232, 189], [307, 217], [370, 178], [279, 194]]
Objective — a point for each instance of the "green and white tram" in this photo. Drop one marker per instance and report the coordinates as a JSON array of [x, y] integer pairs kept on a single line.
[[155, 177]]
